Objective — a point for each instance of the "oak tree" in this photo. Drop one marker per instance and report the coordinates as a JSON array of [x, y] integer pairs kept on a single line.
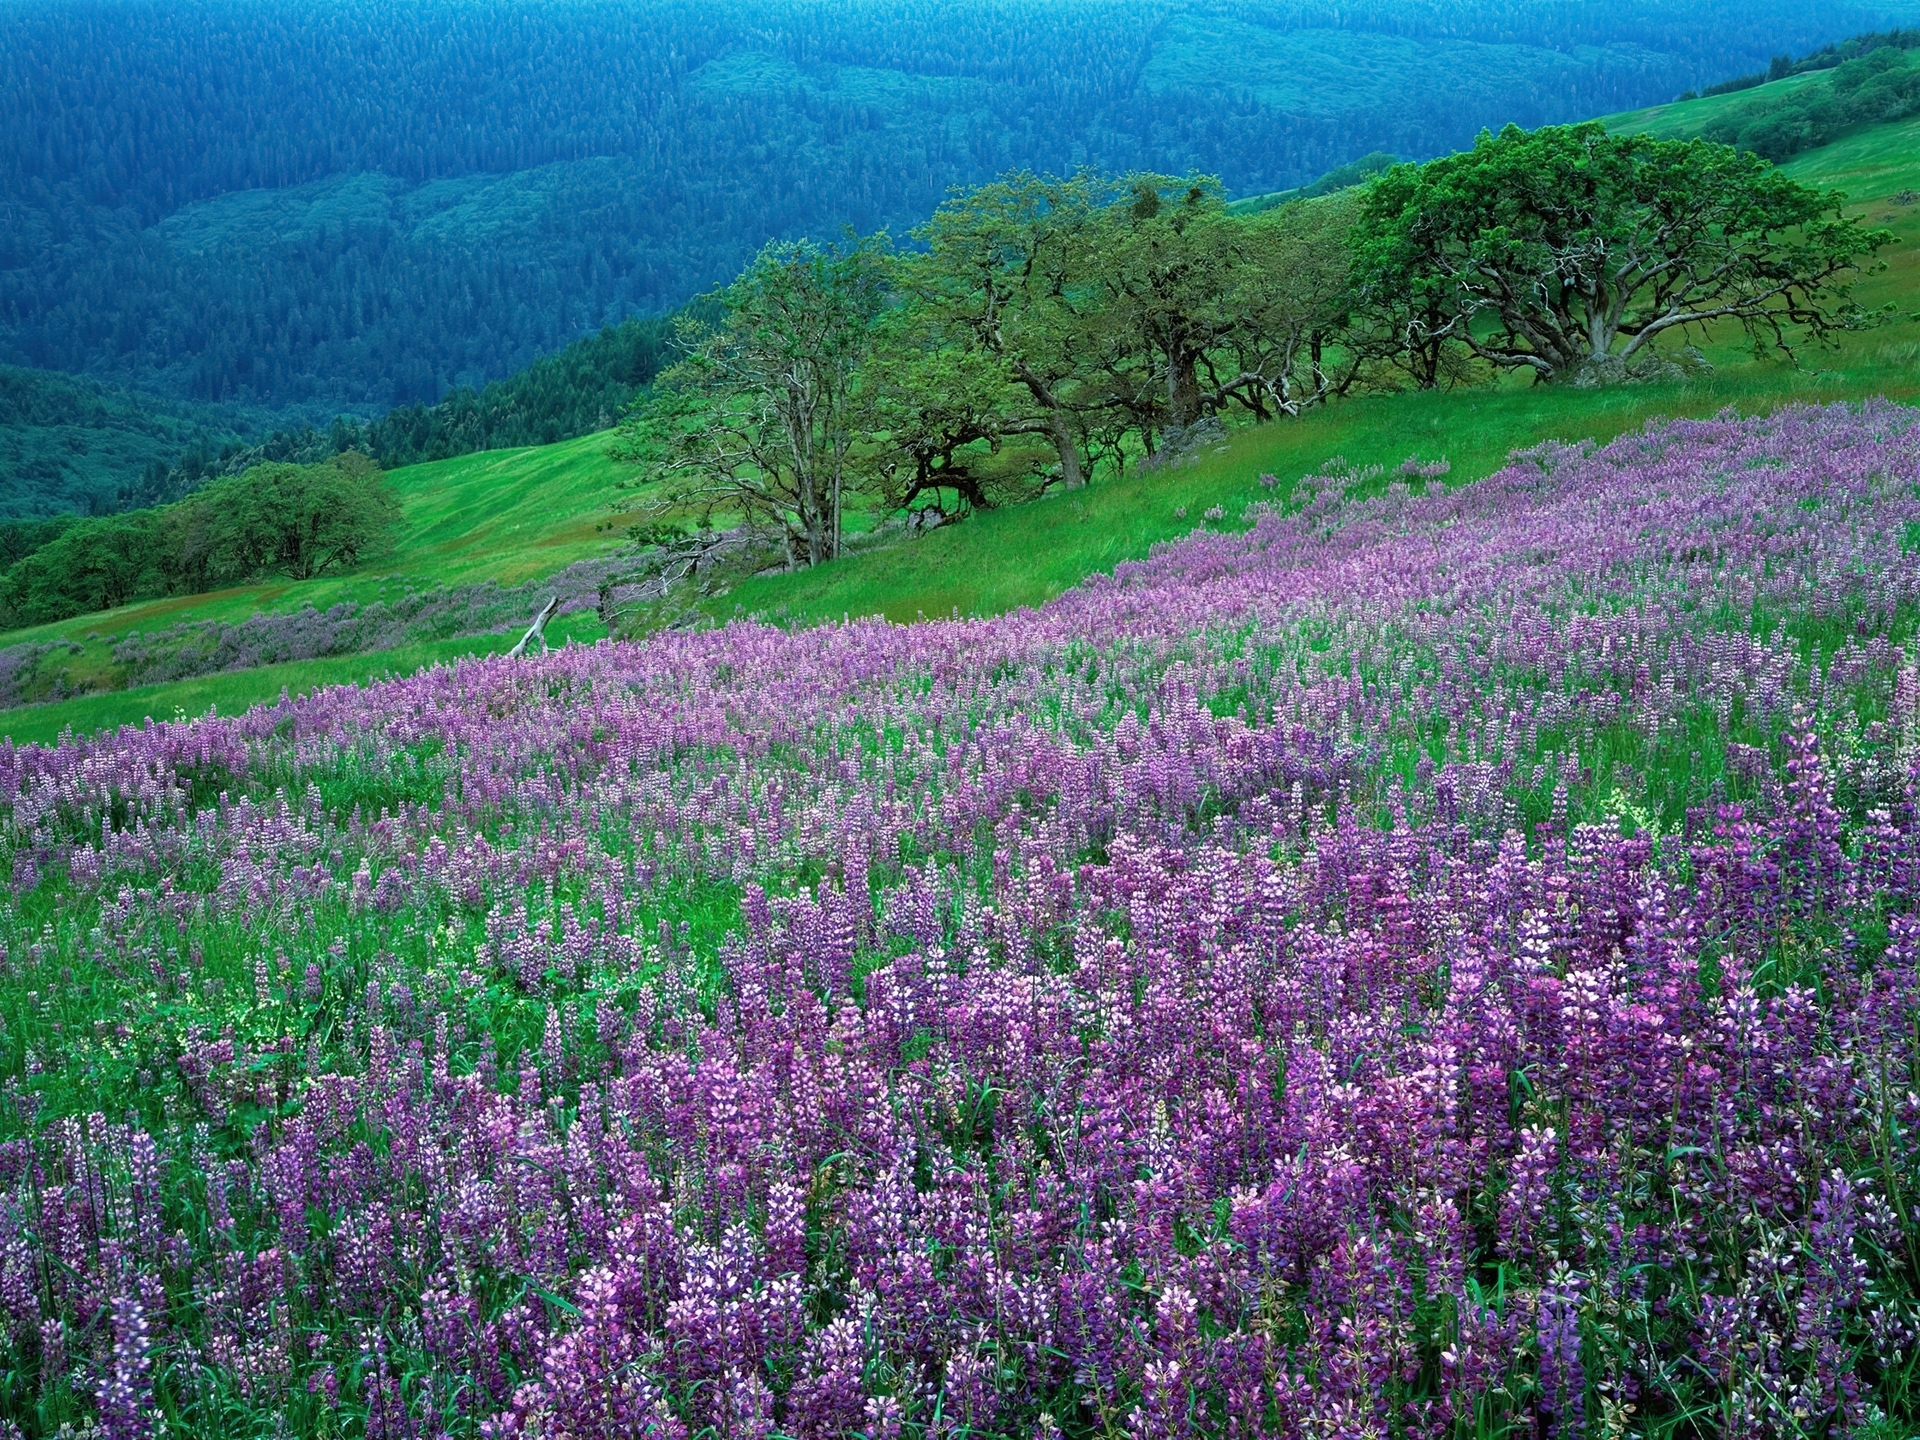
[[1572, 252], [759, 419]]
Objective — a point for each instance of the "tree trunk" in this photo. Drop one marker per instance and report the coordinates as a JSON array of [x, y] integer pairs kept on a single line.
[[1071, 475], [537, 630], [1600, 332], [813, 520], [835, 543], [1183, 387]]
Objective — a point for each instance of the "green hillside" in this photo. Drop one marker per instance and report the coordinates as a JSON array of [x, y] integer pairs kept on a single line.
[[510, 516], [506, 516], [70, 445], [1684, 119], [502, 515], [1022, 557], [1341, 177], [1862, 84], [1877, 162]]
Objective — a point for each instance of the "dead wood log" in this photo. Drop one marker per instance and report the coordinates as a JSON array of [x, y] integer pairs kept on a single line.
[[537, 630]]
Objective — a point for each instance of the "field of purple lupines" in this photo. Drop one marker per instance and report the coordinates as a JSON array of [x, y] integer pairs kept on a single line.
[[1433, 964]]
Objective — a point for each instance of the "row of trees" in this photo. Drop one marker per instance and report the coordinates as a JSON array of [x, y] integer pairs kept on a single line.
[[295, 520], [366, 204], [1043, 329], [1881, 84]]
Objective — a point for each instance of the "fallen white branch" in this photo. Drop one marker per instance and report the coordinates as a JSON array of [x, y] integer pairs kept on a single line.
[[537, 630]]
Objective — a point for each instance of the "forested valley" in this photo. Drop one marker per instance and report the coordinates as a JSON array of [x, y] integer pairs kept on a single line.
[[364, 207], [1038, 332]]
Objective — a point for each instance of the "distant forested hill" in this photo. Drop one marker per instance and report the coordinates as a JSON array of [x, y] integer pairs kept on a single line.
[[362, 205], [69, 445]]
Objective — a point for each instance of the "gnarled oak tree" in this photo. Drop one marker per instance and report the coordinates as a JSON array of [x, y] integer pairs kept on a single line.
[[1570, 251]]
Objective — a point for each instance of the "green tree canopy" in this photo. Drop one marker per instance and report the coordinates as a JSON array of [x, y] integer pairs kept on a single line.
[[1009, 273], [759, 419], [1165, 261], [944, 414], [301, 520], [1217, 312], [1569, 251], [97, 564], [1095, 312]]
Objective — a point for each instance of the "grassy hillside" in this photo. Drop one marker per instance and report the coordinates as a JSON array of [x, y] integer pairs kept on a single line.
[[1002, 560], [508, 516], [515, 515], [1341, 177], [1866, 84], [1880, 162], [1683, 119], [998, 561], [503, 515]]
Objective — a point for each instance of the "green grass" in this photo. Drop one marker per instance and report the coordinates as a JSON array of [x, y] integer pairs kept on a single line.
[[503, 515], [1875, 163], [513, 515], [1872, 162], [1683, 119], [236, 690], [509, 515]]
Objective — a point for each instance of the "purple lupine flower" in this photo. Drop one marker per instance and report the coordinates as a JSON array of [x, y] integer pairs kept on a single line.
[[126, 1390], [1563, 1380], [1523, 1208], [1168, 1004], [883, 1419]]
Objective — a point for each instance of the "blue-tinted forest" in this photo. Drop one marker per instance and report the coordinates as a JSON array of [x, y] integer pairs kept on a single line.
[[358, 206]]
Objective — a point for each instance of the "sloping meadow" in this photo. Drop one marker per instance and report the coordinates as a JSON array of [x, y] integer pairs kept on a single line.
[[1437, 963]]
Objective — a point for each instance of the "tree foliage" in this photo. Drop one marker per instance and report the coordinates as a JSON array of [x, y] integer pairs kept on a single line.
[[1085, 319], [1212, 312], [369, 205], [1043, 329], [1569, 252], [759, 418], [295, 520], [95, 564], [1006, 278]]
